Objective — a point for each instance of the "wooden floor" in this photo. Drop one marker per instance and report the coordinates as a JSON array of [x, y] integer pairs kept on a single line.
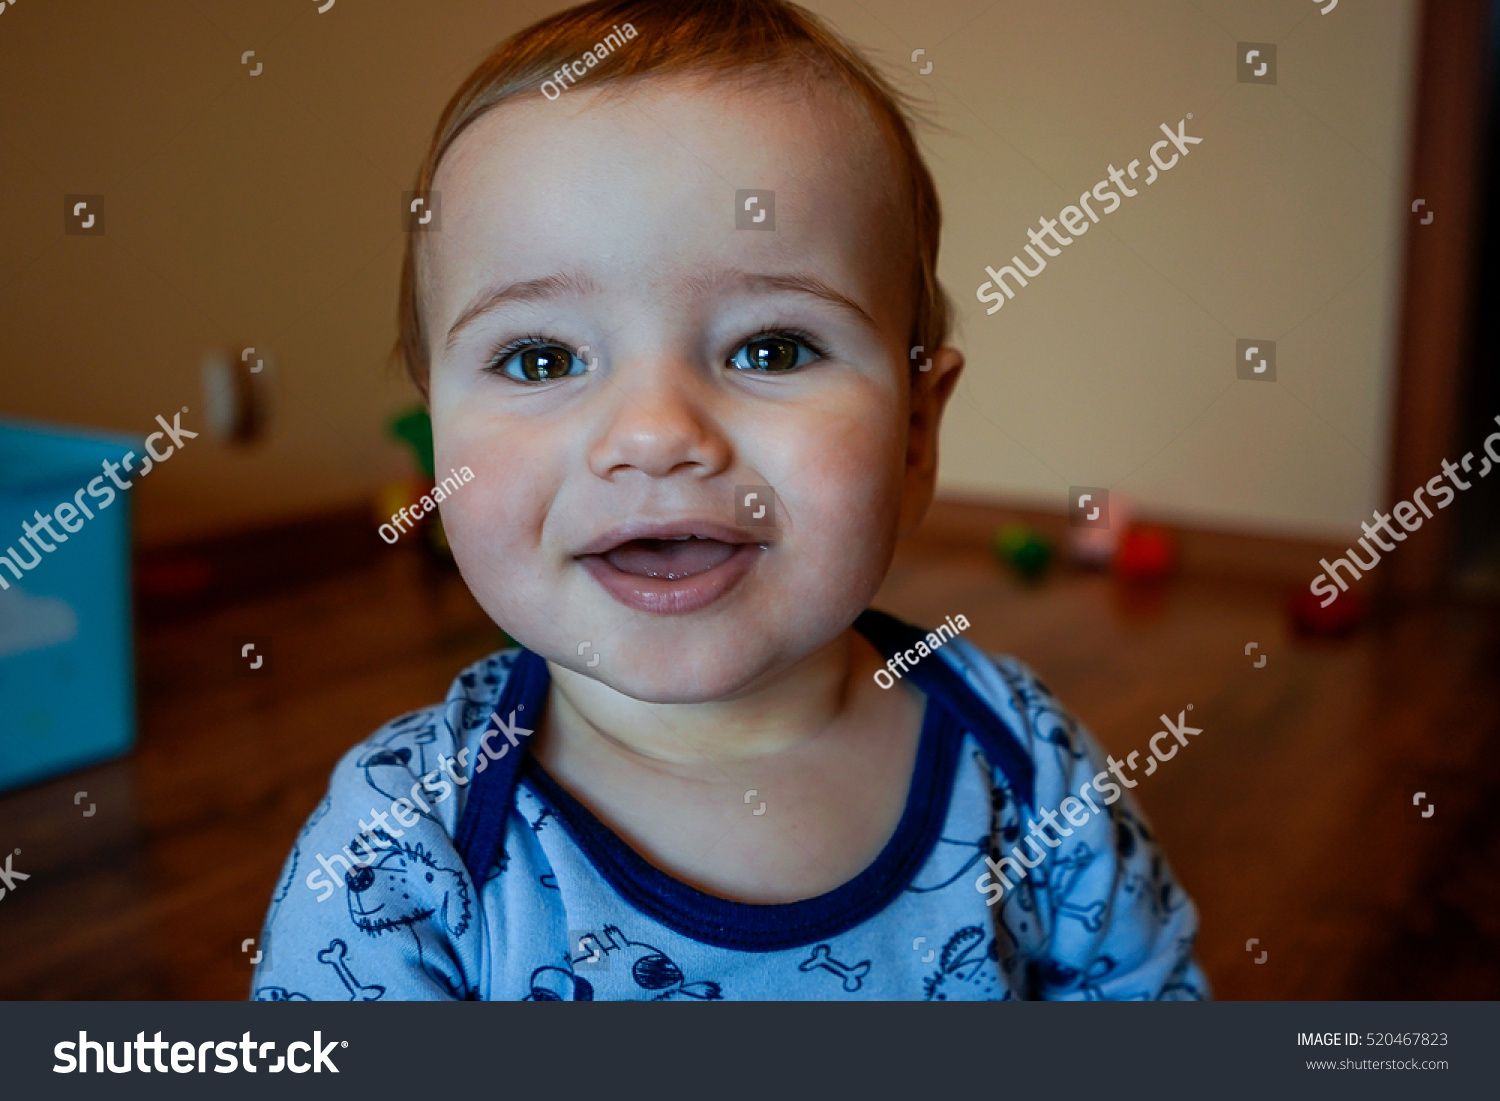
[[1290, 819]]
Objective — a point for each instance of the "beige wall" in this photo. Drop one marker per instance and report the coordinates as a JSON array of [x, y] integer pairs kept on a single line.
[[1115, 366], [262, 210]]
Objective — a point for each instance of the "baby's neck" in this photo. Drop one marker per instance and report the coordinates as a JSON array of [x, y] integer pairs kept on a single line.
[[826, 752], [779, 715]]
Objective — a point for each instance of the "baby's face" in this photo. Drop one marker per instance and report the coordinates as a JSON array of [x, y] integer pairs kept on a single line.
[[617, 363]]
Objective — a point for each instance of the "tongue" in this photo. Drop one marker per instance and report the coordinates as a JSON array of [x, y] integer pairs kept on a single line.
[[669, 558]]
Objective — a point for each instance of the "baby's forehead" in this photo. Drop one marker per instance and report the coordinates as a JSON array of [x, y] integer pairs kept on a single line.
[[797, 116], [663, 161]]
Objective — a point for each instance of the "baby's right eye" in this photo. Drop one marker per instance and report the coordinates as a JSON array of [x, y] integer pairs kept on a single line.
[[535, 360]]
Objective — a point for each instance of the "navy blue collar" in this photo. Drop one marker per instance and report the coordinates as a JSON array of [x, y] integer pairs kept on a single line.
[[952, 708], [1001, 745]]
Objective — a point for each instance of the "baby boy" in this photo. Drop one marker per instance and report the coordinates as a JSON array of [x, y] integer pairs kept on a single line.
[[680, 316]]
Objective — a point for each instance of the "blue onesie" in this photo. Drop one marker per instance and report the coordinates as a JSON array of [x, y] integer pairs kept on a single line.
[[446, 863]]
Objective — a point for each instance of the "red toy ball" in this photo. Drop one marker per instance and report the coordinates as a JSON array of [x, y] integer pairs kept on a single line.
[[1342, 616], [1145, 555]]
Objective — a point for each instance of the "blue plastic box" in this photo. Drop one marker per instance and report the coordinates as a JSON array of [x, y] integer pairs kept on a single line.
[[67, 696]]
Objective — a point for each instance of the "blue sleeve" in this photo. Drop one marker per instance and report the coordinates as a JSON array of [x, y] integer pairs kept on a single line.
[[1106, 918], [374, 903]]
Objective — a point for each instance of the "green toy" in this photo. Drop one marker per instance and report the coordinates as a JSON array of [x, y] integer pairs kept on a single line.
[[414, 428], [1023, 549]]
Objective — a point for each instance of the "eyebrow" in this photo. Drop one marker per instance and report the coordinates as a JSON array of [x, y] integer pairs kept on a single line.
[[571, 283], [524, 290], [797, 283]]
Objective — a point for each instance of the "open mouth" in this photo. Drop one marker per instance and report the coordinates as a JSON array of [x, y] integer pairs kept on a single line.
[[671, 569], [673, 559]]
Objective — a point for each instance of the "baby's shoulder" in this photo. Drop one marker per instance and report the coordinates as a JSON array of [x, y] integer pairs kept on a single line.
[[465, 708], [1044, 728], [411, 748]]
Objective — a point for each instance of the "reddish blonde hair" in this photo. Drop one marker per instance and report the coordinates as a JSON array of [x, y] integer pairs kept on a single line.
[[765, 38]]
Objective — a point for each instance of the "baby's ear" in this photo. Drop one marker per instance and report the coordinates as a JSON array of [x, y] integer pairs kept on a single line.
[[931, 388]]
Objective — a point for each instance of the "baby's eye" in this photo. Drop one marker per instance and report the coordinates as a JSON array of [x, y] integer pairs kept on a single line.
[[774, 352], [537, 361]]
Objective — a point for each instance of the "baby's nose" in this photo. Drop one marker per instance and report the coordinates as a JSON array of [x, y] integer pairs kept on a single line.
[[661, 428]]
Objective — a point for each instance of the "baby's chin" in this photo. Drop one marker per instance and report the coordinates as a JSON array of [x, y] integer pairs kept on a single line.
[[710, 673]]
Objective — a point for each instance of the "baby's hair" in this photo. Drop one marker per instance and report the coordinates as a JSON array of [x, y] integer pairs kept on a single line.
[[763, 38]]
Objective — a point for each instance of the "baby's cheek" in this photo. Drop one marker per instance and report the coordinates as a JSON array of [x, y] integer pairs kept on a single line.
[[494, 541], [476, 533], [491, 523], [861, 474], [475, 517], [849, 509]]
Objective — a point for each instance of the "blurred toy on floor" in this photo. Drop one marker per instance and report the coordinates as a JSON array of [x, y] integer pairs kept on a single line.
[[1145, 555], [1342, 616], [1095, 547], [1024, 549]]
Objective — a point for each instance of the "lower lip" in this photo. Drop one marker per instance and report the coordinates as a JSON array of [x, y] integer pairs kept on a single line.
[[662, 596]]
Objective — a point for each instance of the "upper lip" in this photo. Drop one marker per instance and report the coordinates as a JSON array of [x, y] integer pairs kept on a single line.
[[671, 529]]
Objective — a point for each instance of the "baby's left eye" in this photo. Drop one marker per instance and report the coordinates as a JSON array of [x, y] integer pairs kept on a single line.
[[774, 353]]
